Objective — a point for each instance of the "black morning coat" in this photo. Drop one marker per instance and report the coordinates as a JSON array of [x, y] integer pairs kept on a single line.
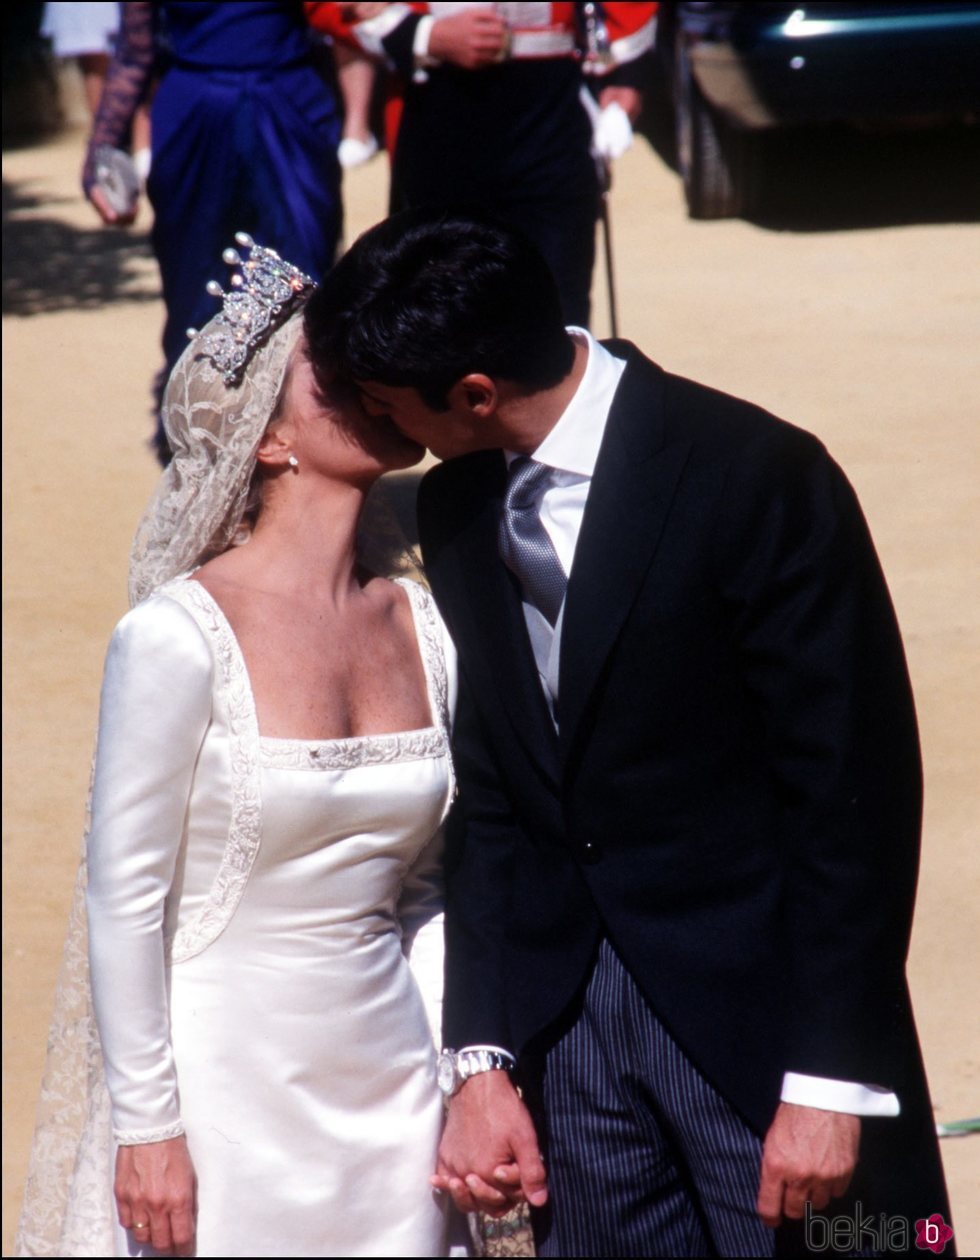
[[734, 797]]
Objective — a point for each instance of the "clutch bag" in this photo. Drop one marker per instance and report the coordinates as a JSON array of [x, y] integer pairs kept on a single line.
[[116, 176]]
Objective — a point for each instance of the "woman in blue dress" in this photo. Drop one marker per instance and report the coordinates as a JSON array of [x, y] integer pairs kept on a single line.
[[245, 131]]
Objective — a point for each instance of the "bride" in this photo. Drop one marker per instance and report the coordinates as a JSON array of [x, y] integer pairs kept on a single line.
[[271, 773]]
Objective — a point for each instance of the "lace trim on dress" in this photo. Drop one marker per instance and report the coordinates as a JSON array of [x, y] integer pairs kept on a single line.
[[245, 828], [350, 754], [429, 632], [136, 1137]]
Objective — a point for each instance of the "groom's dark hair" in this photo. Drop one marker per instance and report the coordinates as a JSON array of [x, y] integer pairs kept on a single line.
[[428, 296]]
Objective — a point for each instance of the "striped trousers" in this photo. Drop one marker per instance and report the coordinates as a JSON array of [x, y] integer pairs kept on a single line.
[[644, 1157]]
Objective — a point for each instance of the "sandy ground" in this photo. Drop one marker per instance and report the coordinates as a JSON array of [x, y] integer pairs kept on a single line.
[[851, 308]]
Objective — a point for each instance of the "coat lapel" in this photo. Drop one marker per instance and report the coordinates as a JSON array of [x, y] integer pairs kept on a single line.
[[501, 650], [628, 504]]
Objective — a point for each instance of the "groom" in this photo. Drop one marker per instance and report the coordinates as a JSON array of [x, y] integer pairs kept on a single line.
[[681, 880]]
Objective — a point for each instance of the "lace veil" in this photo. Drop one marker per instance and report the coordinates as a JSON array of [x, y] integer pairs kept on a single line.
[[68, 1208], [214, 429]]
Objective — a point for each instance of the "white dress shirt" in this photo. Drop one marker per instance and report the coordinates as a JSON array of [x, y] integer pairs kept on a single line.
[[571, 449]]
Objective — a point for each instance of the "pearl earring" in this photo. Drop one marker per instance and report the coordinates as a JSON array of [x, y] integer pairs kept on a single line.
[[293, 462]]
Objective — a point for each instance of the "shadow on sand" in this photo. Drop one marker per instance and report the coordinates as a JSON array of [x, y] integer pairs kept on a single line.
[[833, 179], [48, 265], [836, 179]]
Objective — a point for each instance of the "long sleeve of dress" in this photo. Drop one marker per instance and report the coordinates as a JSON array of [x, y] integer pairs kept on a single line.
[[156, 705]]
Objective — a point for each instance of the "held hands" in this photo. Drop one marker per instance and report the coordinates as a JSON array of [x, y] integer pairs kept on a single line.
[[488, 1157], [473, 38], [809, 1156], [156, 1195]]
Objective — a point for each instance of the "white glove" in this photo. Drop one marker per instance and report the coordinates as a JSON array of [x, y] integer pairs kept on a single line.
[[612, 132]]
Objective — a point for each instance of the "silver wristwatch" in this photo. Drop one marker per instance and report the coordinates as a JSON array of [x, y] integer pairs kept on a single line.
[[456, 1066]]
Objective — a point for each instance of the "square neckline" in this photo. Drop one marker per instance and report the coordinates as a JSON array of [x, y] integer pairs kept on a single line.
[[282, 744]]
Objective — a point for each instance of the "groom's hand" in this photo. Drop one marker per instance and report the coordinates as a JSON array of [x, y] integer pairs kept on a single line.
[[809, 1156], [488, 1158]]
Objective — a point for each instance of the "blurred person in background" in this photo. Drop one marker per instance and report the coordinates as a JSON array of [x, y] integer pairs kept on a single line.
[[356, 74], [245, 135], [86, 32], [494, 114]]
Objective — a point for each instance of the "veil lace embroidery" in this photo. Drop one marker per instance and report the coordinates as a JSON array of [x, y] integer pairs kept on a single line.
[[213, 430], [68, 1209]]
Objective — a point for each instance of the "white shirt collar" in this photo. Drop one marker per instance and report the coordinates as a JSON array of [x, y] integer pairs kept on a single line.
[[573, 443]]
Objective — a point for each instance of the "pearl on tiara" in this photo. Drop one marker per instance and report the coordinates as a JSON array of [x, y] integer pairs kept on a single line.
[[261, 298]]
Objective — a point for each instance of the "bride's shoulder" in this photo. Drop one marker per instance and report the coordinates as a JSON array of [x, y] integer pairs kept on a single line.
[[167, 624], [159, 663]]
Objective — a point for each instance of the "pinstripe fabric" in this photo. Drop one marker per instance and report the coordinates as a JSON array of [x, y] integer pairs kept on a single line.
[[644, 1157]]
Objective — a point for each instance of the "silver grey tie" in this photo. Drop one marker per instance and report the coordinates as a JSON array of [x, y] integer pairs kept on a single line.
[[524, 544]]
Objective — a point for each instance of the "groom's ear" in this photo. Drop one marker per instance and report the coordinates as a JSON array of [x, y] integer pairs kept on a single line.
[[478, 393]]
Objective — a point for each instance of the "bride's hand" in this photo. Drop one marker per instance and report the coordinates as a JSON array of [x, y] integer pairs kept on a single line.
[[155, 1194]]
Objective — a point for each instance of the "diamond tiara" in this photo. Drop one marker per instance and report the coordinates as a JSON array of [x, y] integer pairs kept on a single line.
[[260, 300]]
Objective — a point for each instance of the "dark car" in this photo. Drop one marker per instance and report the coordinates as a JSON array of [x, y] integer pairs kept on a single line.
[[737, 70]]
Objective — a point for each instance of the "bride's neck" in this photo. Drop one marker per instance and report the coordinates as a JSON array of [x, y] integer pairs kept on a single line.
[[306, 539]]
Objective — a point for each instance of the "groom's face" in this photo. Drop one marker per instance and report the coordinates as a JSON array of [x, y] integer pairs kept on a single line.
[[455, 431]]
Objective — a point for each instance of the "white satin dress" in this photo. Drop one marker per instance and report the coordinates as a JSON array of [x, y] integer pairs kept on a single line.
[[259, 912]]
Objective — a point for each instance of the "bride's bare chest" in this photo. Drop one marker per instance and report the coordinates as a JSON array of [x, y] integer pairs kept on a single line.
[[321, 677]]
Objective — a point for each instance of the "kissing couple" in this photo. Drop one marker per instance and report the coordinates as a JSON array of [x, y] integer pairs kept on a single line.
[[646, 756]]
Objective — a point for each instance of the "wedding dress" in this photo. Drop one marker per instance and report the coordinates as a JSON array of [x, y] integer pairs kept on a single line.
[[261, 909]]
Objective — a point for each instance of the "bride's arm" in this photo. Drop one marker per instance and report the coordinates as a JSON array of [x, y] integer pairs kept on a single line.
[[156, 705]]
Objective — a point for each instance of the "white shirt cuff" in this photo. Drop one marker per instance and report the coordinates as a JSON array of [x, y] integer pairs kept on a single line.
[[493, 1050], [420, 47], [847, 1096]]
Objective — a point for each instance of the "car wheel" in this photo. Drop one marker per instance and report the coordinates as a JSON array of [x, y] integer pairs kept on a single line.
[[718, 162]]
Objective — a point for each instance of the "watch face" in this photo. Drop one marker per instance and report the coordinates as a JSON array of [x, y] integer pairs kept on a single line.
[[446, 1073]]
